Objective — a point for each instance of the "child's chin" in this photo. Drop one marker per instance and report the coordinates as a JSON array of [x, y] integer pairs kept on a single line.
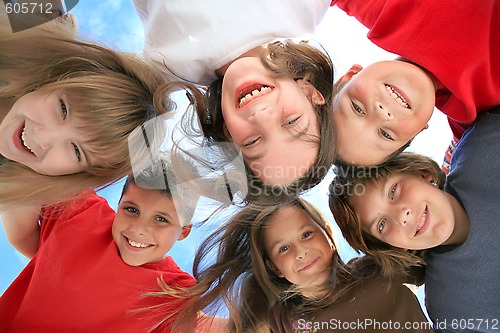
[[134, 262]]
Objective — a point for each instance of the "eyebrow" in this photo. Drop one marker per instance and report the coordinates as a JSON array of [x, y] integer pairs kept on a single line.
[[257, 156]]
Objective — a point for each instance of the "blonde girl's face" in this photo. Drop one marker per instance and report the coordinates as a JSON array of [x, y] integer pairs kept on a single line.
[[40, 131], [146, 226], [380, 109], [298, 249], [406, 211], [272, 120]]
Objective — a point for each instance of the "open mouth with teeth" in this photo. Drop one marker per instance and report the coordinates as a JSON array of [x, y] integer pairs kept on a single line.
[[423, 219], [22, 139], [397, 96], [250, 93], [137, 244]]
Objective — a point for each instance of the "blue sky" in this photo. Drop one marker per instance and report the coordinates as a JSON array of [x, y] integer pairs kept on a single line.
[[115, 23]]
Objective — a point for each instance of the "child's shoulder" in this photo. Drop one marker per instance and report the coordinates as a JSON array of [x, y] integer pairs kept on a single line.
[[172, 274], [67, 210]]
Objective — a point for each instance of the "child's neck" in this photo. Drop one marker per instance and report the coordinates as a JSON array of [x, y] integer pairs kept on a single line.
[[431, 76], [255, 52], [462, 225]]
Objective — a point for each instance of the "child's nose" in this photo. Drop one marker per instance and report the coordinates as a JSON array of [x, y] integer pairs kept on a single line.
[[383, 111], [404, 216], [139, 226], [44, 137], [263, 117], [302, 252]]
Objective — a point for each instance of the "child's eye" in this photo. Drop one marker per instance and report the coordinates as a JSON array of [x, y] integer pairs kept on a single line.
[[253, 142], [307, 234], [392, 191], [283, 248], [64, 109], [162, 219], [357, 108], [291, 121], [381, 225], [386, 135], [131, 210], [77, 152]]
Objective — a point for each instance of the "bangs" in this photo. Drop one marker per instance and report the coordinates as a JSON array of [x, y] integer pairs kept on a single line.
[[106, 118]]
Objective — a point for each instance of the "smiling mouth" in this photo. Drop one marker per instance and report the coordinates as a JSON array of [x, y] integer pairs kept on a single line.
[[309, 265], [137, 244], [250, 93], [422, 222], [22, 139], [398, 97]]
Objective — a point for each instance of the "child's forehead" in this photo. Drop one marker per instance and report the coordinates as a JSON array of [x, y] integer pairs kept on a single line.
[[291, 218], [142, 194]]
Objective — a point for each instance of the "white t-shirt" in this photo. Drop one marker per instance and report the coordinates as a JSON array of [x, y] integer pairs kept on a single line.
[[190, 39]]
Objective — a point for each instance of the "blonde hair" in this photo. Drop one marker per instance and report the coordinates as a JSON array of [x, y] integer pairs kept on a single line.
[[240, 277], [391, 259], [110, 93]]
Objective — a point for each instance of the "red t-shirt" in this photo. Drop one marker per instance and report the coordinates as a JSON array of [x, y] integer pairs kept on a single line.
[[77, 281]]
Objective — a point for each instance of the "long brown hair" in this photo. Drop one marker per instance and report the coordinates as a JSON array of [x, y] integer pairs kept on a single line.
[[240, 278], [111, 93], [392, 260], [297, 61]]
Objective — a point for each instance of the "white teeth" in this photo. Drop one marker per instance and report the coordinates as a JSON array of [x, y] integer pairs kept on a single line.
[[136, 244], [23, 139], [397, 96], [422, 221], [248, 97]]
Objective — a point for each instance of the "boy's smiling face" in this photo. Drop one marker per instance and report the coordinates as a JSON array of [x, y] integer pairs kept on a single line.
[[406, 211], [146, 226], [380, 109]]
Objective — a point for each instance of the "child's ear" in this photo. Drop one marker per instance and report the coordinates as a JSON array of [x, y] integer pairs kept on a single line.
[[272, 267], [428, 177], [311, 92], [426, 126], [355, 69], [185, 232]]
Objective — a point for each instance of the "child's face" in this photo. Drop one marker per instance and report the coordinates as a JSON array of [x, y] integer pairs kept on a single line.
[[41, 132], [272, 120], [380, 109], [298, 248], [406, 211], [146, 226]]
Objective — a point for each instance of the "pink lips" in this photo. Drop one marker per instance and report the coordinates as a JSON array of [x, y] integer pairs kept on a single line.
[[402, 94], [18, 140], [247, 88], [309, 265], [426, 222], [133, 248]]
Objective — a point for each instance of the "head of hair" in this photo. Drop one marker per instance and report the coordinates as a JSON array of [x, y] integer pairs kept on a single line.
[[154, 178], [292, 60], [240, 277], [347, 182], [110, 94]]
